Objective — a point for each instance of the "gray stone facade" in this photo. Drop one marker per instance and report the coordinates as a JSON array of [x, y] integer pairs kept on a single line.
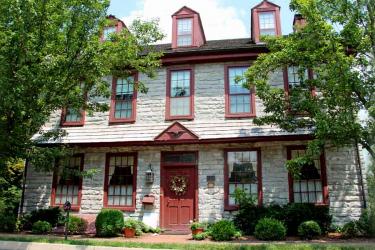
[[342, 175]]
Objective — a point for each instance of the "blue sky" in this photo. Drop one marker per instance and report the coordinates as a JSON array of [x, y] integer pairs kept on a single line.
[[222, 19]]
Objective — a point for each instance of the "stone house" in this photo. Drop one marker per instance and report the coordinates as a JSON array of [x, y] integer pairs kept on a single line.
[[178, 152]]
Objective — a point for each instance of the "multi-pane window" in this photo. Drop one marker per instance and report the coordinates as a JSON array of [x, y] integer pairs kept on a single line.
[[72, 115], [120, 180], [68, 182], [180, 90], [267, 24], [239, 98], [123, 99], [297, 88], [184, 31], [309, 187], [242, 173], [107, 31]]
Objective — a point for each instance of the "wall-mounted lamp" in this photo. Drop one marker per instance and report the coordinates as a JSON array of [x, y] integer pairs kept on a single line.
[[150, 175], [211, 181]]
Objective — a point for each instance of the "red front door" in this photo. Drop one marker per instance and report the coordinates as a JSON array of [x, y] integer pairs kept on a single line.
[[178, 197]]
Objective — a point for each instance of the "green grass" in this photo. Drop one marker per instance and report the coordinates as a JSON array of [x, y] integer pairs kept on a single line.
[[191, 246]]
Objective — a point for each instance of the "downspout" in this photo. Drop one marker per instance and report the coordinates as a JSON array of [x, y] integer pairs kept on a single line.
[[360, 178], [20, 209]]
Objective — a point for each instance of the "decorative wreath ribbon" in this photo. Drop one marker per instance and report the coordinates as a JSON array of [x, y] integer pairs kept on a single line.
[[178, 184]]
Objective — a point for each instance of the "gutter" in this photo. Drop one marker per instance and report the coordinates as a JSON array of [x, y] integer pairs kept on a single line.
[[360, 177]]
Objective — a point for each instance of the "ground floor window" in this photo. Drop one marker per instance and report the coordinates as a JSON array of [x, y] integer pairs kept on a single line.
[[67, 182], [120, 181], [242, 170], [312, 185]]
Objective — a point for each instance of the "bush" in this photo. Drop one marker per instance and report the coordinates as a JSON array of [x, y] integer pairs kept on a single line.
[[200, 236], [53, 215], [309, 230], [41, 227], [76, 225], [8, 222], [109, 222], [350, 230], [222, 230], [270, 229], [291, 214]]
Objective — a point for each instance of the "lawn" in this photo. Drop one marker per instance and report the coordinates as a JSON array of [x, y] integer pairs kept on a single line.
[[194, 246]]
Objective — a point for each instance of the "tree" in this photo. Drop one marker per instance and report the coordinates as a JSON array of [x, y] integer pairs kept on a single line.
[[47, 50], [338, 45]]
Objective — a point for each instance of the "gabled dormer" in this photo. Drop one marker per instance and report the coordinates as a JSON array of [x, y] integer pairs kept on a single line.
[[187, 29], [113, 25], [265, 20]]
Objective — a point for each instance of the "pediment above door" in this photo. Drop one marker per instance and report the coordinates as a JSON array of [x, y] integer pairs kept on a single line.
[[176, 132]]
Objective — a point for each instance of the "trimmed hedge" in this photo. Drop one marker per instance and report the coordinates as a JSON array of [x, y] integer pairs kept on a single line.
[[41, 227], [76, 225], [53, 215], [292, 215], [270, 229], [109, 222], [223, 230], [309, 230]]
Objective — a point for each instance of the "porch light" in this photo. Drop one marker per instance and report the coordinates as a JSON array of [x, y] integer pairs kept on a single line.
[[150, 175]]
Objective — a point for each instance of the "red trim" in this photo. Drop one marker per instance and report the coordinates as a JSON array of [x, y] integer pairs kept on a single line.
[[162, 179], [105, 196], [264, 6], [200, 141], [64, 123], [192, 135], [323, 175], [252, 112], [193, 59], [168, 116], [132, 118], [54, 186], [228, 207]]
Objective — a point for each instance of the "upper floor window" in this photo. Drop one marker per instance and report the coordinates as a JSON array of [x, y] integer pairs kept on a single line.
[[312, 185], [123, 103], [67, 182], [72, 117], [120, 181], [184, 32], [180, 89], [239, 100], [267, 24], [296, 87], [107, 31], [242, 171]]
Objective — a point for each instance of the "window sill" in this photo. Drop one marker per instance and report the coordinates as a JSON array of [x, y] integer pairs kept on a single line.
[[230, 208], [117, 122], [241, 115], [74, 208], [72, 124], [174, 118], [124, 209]]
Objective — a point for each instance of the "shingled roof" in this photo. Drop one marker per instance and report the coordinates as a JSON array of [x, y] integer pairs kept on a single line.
[[225, 45]]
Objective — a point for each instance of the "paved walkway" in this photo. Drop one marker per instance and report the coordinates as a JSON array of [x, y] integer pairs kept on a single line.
[[14, 245]]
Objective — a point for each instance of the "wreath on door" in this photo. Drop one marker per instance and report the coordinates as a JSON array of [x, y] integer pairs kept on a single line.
[[178, 185]]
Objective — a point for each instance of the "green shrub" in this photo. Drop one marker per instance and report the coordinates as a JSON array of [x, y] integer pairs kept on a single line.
[[350, 230], [8, 222], [200, 236], [53, 215], [237, 234], [41, 227], [309, 230], [222, 230], [270, 229], [196, 225], [291, 214], [109, 222], [76, 225]]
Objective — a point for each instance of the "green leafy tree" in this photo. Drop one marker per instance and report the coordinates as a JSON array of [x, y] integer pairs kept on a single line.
[[338, 45], [47, 50]]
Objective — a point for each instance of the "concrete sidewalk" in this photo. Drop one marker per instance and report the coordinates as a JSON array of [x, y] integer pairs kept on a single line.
[[15, 245]]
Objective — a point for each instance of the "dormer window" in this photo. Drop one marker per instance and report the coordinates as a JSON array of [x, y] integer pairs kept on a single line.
[[184, 32], [267, 23], [108, 31], [265, 20]]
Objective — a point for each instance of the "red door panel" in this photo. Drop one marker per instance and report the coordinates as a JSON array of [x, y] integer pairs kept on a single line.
[[179, 197]]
